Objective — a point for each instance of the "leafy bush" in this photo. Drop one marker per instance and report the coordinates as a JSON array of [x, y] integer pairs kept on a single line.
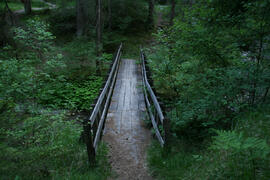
[[34, 37], [39, 76], [231, 155], [212, 70], [37, 143], [204, 72], [38, 149]]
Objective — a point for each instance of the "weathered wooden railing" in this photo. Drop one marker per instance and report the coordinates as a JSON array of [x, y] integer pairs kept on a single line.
[[152, 105], [93, 127]]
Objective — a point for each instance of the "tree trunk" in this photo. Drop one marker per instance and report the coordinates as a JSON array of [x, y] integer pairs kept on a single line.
[[8, 16], [150, 20], [191, 2], [82, 17], [172, 12], [98, 36], [110, 15], [27, 7]]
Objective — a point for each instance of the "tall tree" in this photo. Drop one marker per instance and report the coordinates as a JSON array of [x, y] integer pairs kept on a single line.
[[172, 11], [150, 20], [98, 35], [109, 14], [7, 16], [82, 7], [27, 6]]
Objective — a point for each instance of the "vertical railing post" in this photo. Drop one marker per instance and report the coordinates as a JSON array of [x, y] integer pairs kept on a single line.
[[167, 133], [88, 139]]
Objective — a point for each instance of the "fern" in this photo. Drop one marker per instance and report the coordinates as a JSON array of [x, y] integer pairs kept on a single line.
[[244, 157]]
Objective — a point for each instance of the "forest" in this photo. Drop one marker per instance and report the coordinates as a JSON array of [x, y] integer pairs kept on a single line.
[[209, 62]]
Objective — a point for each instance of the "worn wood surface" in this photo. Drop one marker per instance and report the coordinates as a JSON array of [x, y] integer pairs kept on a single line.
[[124, 128]]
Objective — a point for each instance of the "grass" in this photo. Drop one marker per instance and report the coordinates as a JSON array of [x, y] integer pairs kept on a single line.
[[101, 172]]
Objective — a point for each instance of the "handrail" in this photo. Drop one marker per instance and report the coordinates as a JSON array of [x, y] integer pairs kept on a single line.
[[107, 93], [155, 113], [95, 124]]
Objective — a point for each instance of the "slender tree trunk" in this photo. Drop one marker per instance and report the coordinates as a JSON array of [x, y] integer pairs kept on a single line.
[[98, 36], [79, 18], [150, 19], [82, 17], [110, 14], [8, 15], [27, 6], [191, 2], [172, 12], [265, 94]]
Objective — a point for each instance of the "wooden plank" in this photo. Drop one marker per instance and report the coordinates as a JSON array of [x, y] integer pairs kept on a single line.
[[125, 133]]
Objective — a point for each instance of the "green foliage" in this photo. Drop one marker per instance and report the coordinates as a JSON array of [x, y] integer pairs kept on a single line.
[[38, 149], [127, 18], [212, 70], [63, 20], [37, 143], [238, 154], [34, 37], [27, 69], [206, 72], [39, 75], [168, 166], [243, 157], [72, 95]]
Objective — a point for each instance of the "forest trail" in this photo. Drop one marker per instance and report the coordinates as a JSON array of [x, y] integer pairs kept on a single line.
[[124, 131], [50, 6], [160, 19]]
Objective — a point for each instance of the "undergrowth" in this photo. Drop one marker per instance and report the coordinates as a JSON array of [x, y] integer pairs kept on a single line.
[[46, 146], [42, 84], [242, 153]]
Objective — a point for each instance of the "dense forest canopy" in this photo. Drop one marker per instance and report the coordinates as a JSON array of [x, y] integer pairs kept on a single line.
[[210, 66]]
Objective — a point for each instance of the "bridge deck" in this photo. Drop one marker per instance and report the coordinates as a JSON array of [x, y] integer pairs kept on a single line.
[[124, 131]]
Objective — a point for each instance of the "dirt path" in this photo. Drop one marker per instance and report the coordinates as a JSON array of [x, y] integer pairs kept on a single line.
[[160, 19], [124, 131], [50, 6], [159, 22]]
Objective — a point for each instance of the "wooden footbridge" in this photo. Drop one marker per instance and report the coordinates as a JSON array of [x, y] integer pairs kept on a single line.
[[118, 114]]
